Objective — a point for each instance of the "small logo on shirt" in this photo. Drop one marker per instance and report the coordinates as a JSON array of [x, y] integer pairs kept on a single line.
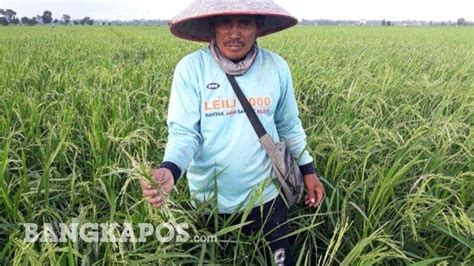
[[213, 86]]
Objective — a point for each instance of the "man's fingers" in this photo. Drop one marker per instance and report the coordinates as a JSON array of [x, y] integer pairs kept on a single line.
[[306, 200], [144, 184], [150, 192], [159, 178], [315, 195], [154, 200], [157, 194], [311, 196], [163, 181], [320, 193]]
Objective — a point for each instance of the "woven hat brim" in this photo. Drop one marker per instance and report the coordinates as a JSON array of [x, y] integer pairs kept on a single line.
[[198, 28]]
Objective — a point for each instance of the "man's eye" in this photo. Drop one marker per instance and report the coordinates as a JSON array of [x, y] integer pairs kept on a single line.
[[224, 22]]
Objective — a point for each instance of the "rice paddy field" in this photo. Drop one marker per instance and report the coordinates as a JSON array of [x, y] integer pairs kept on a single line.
[[389, 114]]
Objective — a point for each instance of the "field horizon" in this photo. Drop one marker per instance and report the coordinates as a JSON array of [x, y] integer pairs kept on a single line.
[[388, 111]]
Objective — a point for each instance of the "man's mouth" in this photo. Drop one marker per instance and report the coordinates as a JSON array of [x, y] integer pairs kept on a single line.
[[234, 44]]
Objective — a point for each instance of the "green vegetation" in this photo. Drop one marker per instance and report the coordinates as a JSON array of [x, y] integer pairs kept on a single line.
[[389, 114]]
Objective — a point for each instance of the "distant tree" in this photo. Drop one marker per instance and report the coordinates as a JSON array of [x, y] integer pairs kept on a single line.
[[47, 17], [3, 17], [384, 23], [55, 21], [66, 18], [39, 19], [76, 22], [10, 15], [461, 22], [28, 21], [25, 20], [3, 21], [389, 23], [87, 20], [16, 21]]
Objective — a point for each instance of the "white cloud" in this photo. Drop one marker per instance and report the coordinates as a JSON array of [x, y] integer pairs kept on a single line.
[[372, 9], [335, 9]]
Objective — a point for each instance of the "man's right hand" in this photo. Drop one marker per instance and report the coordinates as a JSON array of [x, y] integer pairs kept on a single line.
[[164, 183]]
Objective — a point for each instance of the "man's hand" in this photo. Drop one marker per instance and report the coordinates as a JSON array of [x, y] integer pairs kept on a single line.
[[164, 183], [315, 190]]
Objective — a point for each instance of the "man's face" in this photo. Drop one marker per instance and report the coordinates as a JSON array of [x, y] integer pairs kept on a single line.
[[235, 35]]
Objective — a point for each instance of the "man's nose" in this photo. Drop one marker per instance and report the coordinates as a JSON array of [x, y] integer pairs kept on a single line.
[[234, 30]]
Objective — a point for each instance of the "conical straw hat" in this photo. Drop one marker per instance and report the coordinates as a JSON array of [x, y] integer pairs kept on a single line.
[[193, 23]]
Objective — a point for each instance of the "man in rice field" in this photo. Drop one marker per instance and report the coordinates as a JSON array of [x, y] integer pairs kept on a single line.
[[211, 138]]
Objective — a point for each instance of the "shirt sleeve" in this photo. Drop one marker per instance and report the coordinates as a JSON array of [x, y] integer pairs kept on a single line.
[[184, 114], [288, 124]]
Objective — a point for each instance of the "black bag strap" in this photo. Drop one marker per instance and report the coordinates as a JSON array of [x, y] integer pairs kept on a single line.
[[249, 111]]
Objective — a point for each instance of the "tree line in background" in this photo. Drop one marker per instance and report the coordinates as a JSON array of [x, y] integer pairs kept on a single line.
[[458, 22], [8, 17]]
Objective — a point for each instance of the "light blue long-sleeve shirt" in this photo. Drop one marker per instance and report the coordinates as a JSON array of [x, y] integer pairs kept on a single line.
[[211, 137]]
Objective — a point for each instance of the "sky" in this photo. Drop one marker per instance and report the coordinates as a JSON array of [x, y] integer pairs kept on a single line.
[[436, 10]]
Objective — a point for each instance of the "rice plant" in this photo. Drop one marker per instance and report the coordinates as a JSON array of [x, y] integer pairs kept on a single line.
[[388, 113]]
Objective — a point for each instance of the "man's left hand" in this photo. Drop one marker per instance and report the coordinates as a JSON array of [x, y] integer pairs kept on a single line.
[[315, 190]]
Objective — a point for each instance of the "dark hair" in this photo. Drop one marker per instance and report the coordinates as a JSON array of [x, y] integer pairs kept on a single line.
[[259, 19]]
